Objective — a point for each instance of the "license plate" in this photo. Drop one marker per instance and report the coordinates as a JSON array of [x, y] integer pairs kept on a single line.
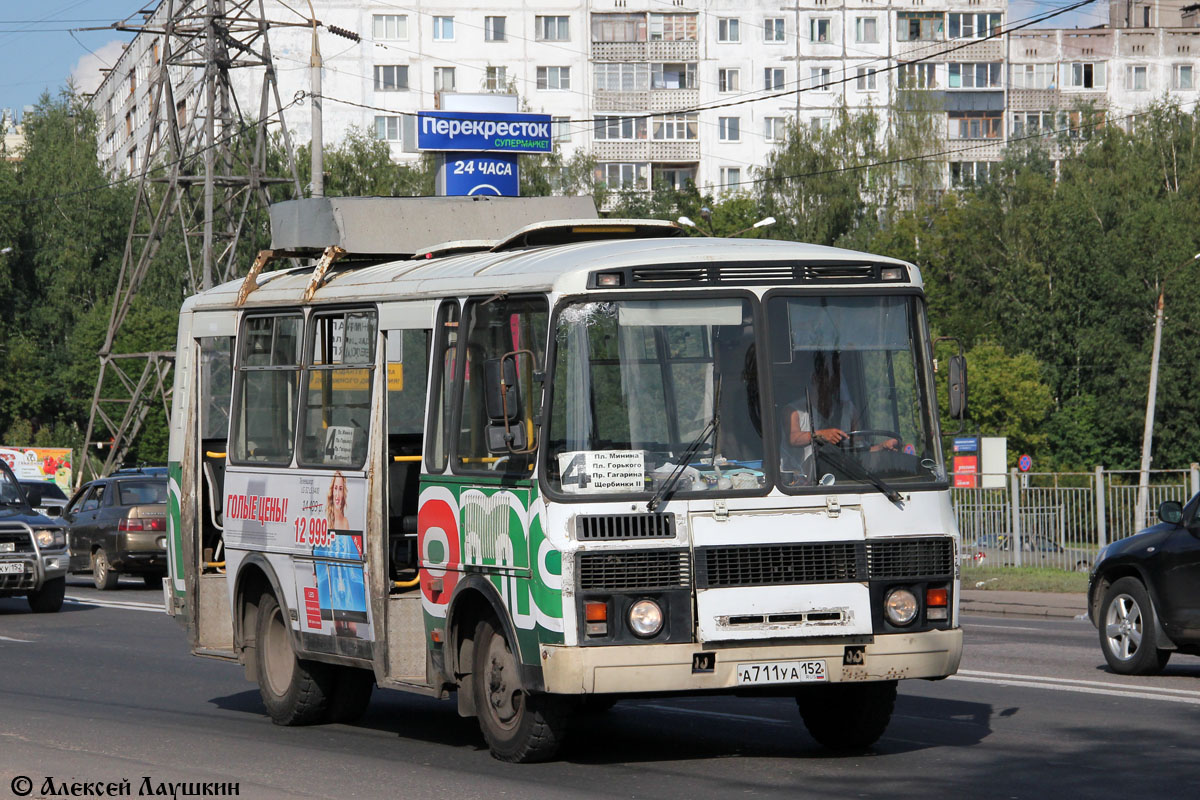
[[12, 569], [781, 672]]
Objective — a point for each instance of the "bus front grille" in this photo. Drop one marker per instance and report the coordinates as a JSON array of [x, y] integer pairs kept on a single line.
[[626, 526], [633, 570], [910, 558]]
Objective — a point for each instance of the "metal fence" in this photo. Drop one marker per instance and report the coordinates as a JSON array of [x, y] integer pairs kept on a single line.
[[1060, 519]]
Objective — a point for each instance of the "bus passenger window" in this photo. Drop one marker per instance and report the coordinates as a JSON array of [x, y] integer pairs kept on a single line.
[[442, 391], [267, 384], [337, 384]]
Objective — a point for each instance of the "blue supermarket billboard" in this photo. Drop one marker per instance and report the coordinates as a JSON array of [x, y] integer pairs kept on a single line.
[[483, 132]]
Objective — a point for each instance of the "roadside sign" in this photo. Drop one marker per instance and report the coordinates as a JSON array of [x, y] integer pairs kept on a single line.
[[482, 174], [966, 470], [1025, 462], [966, 444], [483, 132]]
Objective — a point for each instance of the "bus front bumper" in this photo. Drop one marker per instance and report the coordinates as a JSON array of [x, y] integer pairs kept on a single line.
[[673, 667]]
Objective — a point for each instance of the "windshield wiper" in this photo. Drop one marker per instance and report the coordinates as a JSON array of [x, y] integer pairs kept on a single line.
[[856, 470], [711, 429]]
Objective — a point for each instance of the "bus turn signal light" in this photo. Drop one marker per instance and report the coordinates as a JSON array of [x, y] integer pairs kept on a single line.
[[596, 615], [936, 601]]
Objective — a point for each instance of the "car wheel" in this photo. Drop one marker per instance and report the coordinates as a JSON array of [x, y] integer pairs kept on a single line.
[[103, 575], [295, 691], [519, 727], [1128, 631], [48, 599], [351, 694], [847, 716]]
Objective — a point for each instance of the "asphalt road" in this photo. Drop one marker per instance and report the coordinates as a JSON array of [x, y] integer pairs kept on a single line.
[[109, 693]]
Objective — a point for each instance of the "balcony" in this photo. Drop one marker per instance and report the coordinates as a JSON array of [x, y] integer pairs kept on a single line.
[[645, 51], [646, 150], [656, 100]]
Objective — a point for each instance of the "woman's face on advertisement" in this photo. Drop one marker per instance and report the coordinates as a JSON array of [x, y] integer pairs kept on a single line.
[[339, 493]]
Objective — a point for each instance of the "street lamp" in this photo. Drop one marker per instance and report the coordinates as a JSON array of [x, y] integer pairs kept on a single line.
[[690, 223], [762, 223], [1148, 432]]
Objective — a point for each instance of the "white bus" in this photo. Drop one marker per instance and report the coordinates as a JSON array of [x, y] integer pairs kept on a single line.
[[594, 460]]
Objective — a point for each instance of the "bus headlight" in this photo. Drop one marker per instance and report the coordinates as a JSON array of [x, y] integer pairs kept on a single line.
[[645, 618], [900, 607]]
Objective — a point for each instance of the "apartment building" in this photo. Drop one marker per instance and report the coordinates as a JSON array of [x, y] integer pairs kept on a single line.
[[670, 91]]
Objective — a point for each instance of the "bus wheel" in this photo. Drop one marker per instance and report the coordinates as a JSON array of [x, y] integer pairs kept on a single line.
[[351, 694], [295, 692], [847, 716], [518, 726]]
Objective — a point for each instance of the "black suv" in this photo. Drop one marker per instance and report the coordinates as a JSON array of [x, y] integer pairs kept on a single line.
[[118, 525], [1144, 592], [33, 549]]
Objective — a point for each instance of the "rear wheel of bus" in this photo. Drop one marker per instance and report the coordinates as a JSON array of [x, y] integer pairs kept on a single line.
[[519, 726], [295, 691], [847, 716]]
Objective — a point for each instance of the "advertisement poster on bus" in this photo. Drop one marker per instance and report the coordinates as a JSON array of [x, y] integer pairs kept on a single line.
[[52, 464], [318, 518]]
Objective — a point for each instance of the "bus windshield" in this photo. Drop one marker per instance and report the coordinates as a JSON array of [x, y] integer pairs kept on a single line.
[[663, 397]]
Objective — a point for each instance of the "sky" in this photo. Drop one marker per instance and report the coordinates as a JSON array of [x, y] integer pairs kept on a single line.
[[41, 46]]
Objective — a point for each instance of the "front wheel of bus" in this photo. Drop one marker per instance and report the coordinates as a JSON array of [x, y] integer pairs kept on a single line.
[[847, 716], [519, 727], [295, 692]]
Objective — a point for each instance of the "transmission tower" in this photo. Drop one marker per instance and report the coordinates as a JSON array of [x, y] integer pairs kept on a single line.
[[204, 173]]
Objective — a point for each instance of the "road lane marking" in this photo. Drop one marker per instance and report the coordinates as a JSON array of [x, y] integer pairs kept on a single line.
[[123, 604], [1081, 686], [1005, 627], [719, 714], [10, 639]]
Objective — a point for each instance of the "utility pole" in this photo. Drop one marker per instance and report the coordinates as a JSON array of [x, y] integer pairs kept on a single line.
[[1143, 499], [203, 175], [318, 134]]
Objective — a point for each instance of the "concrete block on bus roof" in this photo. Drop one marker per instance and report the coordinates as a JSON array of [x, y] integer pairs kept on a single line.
[[403, 226]]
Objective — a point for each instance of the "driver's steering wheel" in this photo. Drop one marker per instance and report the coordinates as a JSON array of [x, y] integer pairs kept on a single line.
[[851, 441]]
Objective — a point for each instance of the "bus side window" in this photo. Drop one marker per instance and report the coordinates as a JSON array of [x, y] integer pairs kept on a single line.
[[339, 367], [407, 380], [216, 390], [441, 393], [266, 387], [512, 330]]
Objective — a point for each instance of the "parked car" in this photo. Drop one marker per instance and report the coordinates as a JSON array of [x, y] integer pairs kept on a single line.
[[45, 497], [1144, 592], [33, 549], [118, 525]]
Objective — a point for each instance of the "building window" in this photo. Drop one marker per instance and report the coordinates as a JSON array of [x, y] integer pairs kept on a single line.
[[389, 26], [822, 124], [773, 29], [730, 129], [622, 77], [557, 78], [493, 29], [818, 29], [560, 129], [495, 79], [969, 173], [1032, 123], [917, 76], [443, 79], [621, 177], [443, 29], [1087, 75], [1183, 77], [133, 159], [866, 30], [973, 76], [618, 27], [1033, 76], [729, 30], [774, 129], [675, 127], [391, 78], [729, 80], [975, 125], [387, 128], [1135, 78], [864, 79], [672, 27], [773, 78], [818, 77], [619, 128], [132, 81], [673, 177], [731, 178], [974, 26], [553, 29], [673, 76], [919, 26]]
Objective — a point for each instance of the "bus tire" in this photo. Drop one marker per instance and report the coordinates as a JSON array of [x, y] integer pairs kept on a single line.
[[294, 691], [351, 694], [847, 716], [518, 726]]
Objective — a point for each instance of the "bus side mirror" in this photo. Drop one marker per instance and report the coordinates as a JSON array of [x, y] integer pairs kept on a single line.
[[502, 394], [958, 387]]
